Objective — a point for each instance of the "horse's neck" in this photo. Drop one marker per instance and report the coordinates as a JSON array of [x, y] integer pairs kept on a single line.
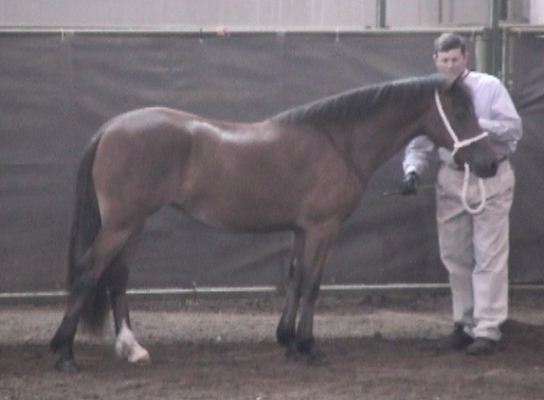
[[371, 142]]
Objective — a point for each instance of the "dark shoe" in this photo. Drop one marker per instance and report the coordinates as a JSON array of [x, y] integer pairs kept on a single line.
[[481, 347], [457, 340]]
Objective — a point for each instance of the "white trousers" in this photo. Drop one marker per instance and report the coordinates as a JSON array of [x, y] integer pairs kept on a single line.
[[474, 248]]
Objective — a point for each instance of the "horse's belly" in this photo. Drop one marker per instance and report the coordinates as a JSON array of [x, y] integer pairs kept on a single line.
[[281, 204], [240, 208]]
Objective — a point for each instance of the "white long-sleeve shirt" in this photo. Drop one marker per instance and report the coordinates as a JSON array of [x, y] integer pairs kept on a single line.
[[496, 114]]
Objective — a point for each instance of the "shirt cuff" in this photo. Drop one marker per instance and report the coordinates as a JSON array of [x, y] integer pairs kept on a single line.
[[485, 124], [409, 169]]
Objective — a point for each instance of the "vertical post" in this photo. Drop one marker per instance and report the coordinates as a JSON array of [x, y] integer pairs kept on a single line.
[[496, 37], [381, 10], [482, 45], [507, 67]]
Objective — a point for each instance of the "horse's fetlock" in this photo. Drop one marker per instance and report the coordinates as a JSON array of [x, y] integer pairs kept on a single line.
[[57, 343], [284, 336], [306, 345]]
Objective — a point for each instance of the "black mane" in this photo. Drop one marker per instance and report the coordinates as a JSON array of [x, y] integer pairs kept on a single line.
[[351, 105]]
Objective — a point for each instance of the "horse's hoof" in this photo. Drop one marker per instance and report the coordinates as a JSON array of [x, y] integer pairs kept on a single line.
[[140, 358], [316, 358], [292, 354], [66, 366], [132, 352]]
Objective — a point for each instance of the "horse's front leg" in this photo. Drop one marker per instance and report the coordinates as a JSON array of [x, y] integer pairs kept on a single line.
[[285, 333], [316, 249]]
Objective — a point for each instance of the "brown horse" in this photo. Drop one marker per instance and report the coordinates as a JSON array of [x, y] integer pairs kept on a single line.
[[303, 171]]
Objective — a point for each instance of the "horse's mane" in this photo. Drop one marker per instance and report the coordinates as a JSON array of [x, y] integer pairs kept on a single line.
[[353, 104]]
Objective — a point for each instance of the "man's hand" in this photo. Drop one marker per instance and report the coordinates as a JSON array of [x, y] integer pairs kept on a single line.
[[409, 184]]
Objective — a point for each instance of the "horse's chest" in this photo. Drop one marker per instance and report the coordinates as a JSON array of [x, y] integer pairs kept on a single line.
[[336, 197]]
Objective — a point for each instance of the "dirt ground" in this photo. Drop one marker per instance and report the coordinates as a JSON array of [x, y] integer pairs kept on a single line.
[[224, 349]]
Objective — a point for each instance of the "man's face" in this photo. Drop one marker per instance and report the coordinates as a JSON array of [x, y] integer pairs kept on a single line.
[[451, 63]]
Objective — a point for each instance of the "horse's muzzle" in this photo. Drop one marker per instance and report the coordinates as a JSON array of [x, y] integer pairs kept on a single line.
[[487, 168]]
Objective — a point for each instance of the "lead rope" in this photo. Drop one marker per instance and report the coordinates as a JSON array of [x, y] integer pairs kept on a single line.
[[458, 144]]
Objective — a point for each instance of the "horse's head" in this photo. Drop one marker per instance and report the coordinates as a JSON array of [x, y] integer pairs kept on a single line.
[[453, 124]]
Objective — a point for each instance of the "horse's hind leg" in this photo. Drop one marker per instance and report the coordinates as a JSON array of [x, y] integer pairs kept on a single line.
[[63, 341], [126, 345], [285, 333], [94, 263]]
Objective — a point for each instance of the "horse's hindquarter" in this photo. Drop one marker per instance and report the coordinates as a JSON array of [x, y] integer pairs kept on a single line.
[[138, 163], [264, 176]]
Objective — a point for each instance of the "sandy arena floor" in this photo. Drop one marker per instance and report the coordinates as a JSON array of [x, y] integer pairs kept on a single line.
[[225, 349]]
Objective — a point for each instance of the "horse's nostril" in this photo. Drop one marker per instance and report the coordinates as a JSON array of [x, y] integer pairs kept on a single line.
[[494, 166]]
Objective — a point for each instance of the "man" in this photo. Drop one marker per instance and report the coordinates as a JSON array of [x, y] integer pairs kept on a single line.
[[473, 248]]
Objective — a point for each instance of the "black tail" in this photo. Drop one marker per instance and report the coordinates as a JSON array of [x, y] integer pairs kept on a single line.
[[85, 227]]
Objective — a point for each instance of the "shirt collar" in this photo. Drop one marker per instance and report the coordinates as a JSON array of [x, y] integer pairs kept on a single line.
[[464, 74]]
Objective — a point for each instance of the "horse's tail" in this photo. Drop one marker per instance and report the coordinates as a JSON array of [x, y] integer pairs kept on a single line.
[[85, 227]]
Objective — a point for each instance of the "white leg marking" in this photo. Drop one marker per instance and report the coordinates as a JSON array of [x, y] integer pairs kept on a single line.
[[126, 346]]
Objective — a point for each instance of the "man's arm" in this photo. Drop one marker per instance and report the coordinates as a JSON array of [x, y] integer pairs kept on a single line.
[[504, 123], [416, 159], [417, 155]]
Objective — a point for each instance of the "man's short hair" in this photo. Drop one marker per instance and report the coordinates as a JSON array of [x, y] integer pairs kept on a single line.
[[449, 41]]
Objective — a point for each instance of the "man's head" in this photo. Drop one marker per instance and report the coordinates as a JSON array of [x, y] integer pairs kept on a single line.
[[450, 55]]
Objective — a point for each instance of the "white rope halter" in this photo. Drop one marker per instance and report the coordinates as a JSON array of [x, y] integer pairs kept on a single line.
[[459, 144]]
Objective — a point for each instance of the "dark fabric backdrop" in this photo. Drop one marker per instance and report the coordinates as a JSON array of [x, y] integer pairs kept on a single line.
[[56, 91]]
